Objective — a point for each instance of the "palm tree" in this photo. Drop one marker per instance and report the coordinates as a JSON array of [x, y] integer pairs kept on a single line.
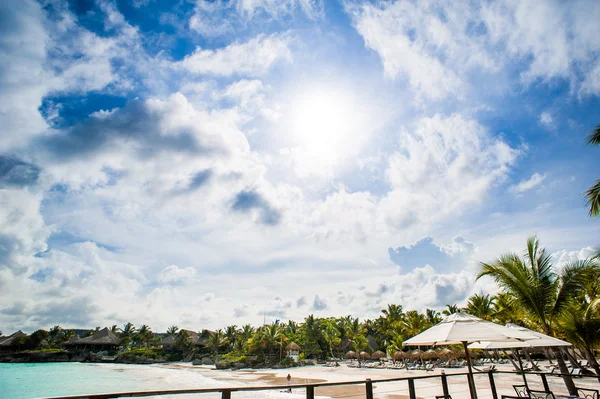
[[216, 341], [331, 334], [593, 193], [507, 310], [393, 313], [542, 293], [114, 329], [55, 334], [172, 331], [144, 335], [581, 325], [414, 322], [127, 334], [433, 316], [450, 309], [481, 306]]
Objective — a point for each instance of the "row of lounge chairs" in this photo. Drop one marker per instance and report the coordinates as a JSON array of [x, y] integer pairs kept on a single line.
[[524, 392]]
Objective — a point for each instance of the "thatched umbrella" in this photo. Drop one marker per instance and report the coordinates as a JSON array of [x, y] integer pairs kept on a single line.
[[446, 353], [398, 355], [350, 355], [430, 354], [378, 355], [364, 355], [416, 354]]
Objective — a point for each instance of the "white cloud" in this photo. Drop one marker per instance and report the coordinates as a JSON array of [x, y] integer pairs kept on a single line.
[[442, 47], [443, 166], [172, 274], [218, 18], [547, 120], [252, 58], [562, 257], [525, 185]]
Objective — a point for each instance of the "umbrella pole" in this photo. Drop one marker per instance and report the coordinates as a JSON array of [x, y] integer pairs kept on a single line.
[[522, 370], [470, 375]]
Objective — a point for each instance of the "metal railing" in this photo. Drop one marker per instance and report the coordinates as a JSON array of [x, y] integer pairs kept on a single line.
[[226, 393]]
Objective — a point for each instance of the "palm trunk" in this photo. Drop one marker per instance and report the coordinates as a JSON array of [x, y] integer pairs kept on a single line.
[[564, 371], [592, 359]]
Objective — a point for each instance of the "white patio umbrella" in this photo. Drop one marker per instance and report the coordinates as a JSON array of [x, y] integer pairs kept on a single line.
[[543, 341], [461, 328]]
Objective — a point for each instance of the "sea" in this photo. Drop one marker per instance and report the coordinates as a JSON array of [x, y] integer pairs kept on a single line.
[[43, 380]]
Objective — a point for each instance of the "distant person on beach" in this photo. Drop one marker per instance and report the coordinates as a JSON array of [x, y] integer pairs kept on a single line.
[[289, 382]]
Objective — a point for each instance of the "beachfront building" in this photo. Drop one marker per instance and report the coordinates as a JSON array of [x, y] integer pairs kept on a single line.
[[293, 351], [100, 340], [169, 341], [13, 341]]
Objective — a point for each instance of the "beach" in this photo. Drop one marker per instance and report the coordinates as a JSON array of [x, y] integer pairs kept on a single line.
[[60, 379], [425, 388]]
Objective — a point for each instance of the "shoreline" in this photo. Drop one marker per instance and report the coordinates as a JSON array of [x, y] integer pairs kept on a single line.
[[430, 387]]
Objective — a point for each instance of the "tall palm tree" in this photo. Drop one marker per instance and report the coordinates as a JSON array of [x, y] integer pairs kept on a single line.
[[581, 325], [593, 193], [393, 313], [331, 334], [215, 342], [414, 322], [55, 334], [542, 293], [172, 331], [507, 310], [144, 335], [127, 333], [450, 309], [433, 316], [481, 306]]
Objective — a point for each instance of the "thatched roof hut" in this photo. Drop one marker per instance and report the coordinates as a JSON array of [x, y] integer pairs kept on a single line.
[[364, 355], [350, 355], [10, 341], [203, 337], [104, 337], [398, 355], [292, 346], [378, 355], [170, 340]]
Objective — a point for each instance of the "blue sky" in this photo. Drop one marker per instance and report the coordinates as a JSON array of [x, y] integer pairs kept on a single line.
[[202, 163]]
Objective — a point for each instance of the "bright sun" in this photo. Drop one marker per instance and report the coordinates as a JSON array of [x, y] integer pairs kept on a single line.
[[324, 126]]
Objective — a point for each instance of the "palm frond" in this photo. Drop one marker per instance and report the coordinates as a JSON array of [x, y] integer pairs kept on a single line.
[[594, 137], [592, 199]]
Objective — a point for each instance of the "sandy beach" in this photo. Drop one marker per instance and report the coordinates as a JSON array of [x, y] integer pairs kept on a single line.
[[426, 388]]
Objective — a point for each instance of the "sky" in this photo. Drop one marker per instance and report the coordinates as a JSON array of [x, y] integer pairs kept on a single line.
[[208, 163]]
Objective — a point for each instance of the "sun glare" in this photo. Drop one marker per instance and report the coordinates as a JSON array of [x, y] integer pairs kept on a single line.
[[324, 126]]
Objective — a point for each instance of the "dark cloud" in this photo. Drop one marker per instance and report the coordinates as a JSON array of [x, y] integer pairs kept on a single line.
[[382, 289], [247, 201], [17, 173], [319, 304], [10, 246], [138, 125], [301, 301], [200, 179]]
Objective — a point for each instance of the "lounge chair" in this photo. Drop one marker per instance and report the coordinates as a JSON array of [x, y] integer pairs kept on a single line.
[[576, 372], [533, 394], [521, 391], [443, 397], [588, 393]]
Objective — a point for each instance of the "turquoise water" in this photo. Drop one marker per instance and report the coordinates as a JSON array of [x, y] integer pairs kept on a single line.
[[36, 380], [42, 380]]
